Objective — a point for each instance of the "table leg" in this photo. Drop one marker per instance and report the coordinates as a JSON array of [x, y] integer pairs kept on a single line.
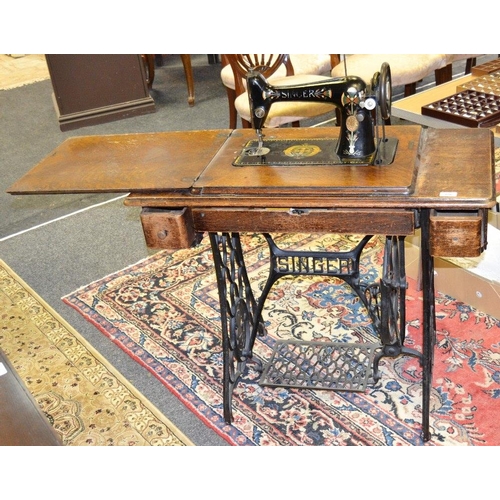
[[240, 319], [429, 320]]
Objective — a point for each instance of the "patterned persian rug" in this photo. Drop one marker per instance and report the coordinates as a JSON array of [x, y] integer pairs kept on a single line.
[[83, 397], [164, 312]]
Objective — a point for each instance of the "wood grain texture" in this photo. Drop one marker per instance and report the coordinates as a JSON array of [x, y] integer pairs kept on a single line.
[[122, 163], [441, 169]]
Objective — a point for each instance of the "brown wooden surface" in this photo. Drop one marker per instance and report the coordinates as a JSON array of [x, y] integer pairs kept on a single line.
[[221, 176], [441, 169], [123, 163], [394, 222], [21, 421], [452, 168], [192, 167]]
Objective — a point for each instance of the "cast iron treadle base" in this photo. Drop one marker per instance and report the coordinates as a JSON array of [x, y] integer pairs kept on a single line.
[[336, 366]]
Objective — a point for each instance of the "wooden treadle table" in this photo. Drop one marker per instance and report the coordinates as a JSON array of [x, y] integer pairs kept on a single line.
[[441, 181]]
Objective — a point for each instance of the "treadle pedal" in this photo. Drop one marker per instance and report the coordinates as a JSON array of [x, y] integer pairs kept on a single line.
[[336, 366]]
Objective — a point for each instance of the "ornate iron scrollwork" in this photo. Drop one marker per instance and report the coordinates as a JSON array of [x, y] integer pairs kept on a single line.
[[392, 326], [239, 316], [303, 363]]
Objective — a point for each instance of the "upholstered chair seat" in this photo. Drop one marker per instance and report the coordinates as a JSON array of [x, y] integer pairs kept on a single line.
[[406, 69]]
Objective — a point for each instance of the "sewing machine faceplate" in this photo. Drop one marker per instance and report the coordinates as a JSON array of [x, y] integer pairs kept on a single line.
[[313, 151]]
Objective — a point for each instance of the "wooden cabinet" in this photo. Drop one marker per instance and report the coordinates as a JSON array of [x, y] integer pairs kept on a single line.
[[96, 88]]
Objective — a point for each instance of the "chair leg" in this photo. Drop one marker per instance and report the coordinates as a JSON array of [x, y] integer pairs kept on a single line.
[[149, 64], [443, 75], [469, 64], [410, 89], [188, 71]]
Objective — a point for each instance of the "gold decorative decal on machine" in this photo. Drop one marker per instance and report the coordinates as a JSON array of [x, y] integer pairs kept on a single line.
[[352, 97], [352, 123], [302, 150], [298, 94]]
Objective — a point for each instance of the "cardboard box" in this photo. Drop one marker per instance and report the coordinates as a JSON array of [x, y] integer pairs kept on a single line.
[[494, 217], [461, 283]]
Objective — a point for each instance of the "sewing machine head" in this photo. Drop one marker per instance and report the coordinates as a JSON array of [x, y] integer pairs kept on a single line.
[[357, 102]]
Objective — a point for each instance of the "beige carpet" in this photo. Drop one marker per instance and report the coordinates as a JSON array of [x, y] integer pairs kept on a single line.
[[18, 70], [86, 400]]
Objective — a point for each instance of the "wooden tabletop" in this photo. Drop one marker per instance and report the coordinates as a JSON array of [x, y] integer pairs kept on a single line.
[[123, 163], [221, 176], [444, 167]]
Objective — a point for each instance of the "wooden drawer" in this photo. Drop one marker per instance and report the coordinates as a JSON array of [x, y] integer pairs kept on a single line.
[[289, 220], [165, 228], [458, 234]]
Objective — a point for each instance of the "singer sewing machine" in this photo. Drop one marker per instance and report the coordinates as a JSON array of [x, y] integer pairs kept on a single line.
[[359, 107]]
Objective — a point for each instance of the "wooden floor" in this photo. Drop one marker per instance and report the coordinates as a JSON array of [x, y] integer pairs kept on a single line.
[[19, 70]]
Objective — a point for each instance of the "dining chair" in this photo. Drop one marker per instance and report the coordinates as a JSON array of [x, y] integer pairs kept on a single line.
[[406, 69], [279, 69], [149, 65], [446, 73]]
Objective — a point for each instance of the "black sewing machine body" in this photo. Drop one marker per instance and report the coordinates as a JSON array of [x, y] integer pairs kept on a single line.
[[356, 101]]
